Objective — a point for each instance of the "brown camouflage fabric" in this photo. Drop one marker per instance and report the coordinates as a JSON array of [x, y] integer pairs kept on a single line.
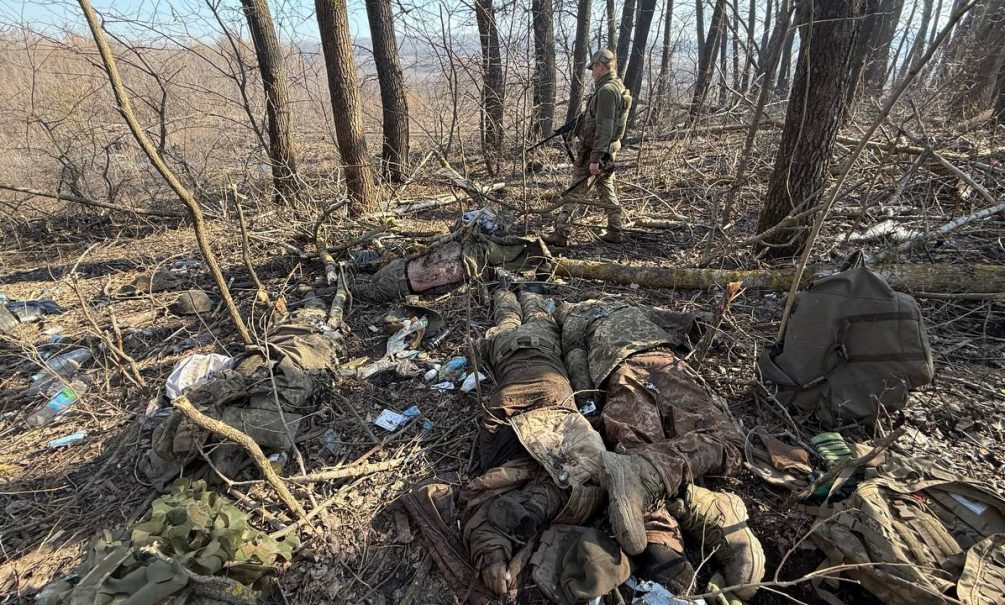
[[656, 409]]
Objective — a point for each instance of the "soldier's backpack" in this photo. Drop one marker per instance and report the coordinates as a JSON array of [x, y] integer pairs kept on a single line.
[[918, 535], [852, 347], [621, 123]]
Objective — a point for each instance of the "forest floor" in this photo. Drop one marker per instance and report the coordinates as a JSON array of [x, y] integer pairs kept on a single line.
[[53, 501]]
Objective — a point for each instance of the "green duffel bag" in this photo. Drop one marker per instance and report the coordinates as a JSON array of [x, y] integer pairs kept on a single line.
[[852, 347]]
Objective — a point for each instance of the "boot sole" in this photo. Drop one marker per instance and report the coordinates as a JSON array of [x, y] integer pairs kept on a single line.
[[629, 529]]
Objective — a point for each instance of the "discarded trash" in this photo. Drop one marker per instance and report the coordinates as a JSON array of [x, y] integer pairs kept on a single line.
[[193, 370], [278, 461], [397, 343], [588, 409], [403, 368], [453, 369], [656, 594], [58, 404], [391, 421], [487, 220], [472, 379], [7, 321], [443, 386], [59, 367], [27, 311], [438, 339], [431, 374], [67, 441], [332, 442]]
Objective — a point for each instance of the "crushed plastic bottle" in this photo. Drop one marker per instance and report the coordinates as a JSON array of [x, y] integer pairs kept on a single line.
[[397, 343], [58, 404], [453, 369], [62, 366], [67, 441]]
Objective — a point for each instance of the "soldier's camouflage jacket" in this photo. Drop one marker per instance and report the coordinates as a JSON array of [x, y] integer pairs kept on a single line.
[[597, 335]]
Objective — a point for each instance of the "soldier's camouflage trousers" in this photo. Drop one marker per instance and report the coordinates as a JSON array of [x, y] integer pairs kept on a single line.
[[604, 188], [526, 361], [655, 409]]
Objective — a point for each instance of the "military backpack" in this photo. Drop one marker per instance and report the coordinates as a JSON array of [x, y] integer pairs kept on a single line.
[[916, 534], [852, 347]]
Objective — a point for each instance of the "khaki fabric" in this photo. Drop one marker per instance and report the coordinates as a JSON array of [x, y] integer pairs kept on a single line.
[[573, 564], [563, 442], [936, 530]]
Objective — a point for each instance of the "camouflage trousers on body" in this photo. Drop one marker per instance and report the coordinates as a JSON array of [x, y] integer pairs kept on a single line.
[[656, 409], [525, 358], [604, 188]]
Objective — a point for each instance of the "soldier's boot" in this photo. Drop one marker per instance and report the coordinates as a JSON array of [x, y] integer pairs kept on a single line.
[[614, 233], [633, 487], [721, 520]]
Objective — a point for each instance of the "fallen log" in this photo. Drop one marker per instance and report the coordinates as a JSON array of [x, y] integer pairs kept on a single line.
[[938, 278]]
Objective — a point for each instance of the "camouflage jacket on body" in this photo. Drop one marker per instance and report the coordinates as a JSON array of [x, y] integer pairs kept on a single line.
[[605, 118], [597, 335]]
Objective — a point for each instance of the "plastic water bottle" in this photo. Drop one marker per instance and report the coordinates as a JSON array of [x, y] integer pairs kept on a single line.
[[58, 404], [396, 344], [453, 369], [64, 365]]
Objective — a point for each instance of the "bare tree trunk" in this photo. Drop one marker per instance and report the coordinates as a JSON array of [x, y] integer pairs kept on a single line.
[[544, 66], [921, 39], [625, 36], [749, 55], [579, 51], [978, 53], [333, 22], [736, 46], [1000, 96], [493, 85], [663, 85], [723, 42], [812, 119], [878, 53], [785, 64], [636, 64], [765, 35], [699, 24], [394, 104], [861, 52], [706, 59], [612, 31], [277, 99]]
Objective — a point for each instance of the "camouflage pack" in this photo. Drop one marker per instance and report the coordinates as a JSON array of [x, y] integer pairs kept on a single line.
[[918, 535]]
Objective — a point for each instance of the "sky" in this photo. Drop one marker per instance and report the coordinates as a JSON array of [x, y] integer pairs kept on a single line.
[[294, 18]]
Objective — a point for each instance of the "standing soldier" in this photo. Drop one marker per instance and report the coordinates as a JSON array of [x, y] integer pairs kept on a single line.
[[600, 129]]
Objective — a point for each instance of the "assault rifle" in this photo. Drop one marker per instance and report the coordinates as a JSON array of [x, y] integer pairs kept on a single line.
[[565, 131]]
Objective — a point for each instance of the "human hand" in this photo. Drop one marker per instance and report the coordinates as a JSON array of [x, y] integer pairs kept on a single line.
[[496, 576], [595, 168]]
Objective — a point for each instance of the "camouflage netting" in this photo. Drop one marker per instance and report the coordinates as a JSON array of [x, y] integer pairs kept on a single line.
[[194, 546]]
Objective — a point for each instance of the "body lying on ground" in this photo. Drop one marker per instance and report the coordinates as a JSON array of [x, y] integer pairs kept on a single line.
[[531, 517], [448, 264]]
